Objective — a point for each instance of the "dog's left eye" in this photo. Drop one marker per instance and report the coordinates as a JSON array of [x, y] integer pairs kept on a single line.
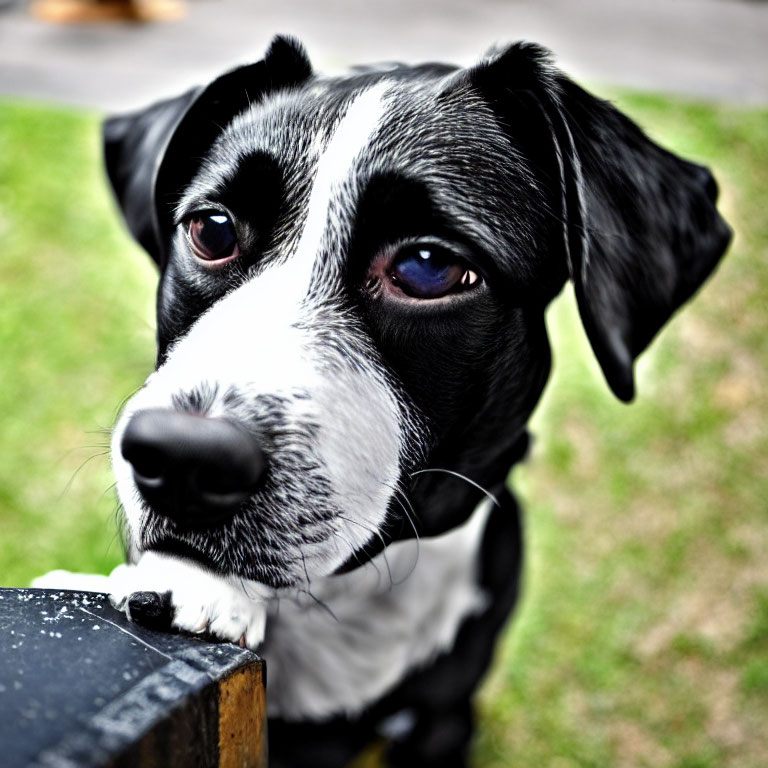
[[426, 271], [212, 237]]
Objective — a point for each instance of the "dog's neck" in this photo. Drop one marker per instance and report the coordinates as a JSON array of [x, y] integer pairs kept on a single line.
[[445, 495], [373, 609]]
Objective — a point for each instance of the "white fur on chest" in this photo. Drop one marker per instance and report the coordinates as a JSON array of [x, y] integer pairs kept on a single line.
[[360, 633]]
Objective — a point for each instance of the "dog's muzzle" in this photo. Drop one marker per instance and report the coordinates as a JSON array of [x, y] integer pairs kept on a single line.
[[193, 469]]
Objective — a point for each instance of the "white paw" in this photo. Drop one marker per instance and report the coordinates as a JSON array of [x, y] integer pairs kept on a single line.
[[201, 601]]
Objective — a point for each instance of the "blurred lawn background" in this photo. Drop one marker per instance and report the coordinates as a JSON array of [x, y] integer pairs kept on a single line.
[[642, 638]]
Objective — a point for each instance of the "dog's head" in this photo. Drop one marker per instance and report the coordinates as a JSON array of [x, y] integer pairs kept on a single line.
[[354, 273]]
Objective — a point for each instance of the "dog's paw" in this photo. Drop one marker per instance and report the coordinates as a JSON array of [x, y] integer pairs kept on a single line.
[[164, 592], [151, 609]]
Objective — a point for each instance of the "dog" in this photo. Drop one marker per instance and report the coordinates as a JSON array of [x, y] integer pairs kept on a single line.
[[354, 272]]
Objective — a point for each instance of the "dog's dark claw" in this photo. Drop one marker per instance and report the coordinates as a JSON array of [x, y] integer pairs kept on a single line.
[[153, 610]]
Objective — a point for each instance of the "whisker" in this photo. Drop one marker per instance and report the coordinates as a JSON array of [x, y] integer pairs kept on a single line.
[[410, 516], [119, 531], [320, 604], [418, 548], [68, 487], [241, 579], [103, 449], [461, 477], [104, 433], [121, 405], [308, 591], [376, 533], [346, 540], [353, 549]]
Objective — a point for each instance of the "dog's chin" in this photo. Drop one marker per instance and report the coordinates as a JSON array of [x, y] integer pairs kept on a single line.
[[235, 550], [256, 567], [221, 565]]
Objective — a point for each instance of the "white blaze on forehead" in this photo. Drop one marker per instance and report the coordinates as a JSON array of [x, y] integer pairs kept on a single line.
[[334, 167], [253, 332]]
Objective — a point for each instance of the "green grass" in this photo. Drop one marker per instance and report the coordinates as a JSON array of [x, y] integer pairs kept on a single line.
[[642, 638], [75, 339]]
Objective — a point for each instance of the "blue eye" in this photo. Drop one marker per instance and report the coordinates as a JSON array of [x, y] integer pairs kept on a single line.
[[212, 237], [430, 272]]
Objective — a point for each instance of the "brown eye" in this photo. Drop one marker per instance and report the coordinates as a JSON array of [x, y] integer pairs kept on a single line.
[[212, 237]]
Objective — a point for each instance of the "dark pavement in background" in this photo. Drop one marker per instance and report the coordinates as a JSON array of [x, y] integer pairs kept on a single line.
[[715, 49]]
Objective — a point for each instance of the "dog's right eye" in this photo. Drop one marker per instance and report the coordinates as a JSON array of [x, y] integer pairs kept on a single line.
[[212, 237]]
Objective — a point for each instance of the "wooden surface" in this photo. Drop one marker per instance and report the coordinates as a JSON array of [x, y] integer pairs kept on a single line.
[[82, 687]]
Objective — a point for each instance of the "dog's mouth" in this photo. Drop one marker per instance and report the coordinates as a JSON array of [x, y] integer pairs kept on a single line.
[[235, 545], [229, 549]]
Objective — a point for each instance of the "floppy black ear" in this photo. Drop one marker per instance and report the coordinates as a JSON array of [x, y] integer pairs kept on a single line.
[[641, 228], [151, 155], [133, 146]]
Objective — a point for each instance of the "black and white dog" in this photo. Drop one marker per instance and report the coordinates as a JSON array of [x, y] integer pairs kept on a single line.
[[354, 274]]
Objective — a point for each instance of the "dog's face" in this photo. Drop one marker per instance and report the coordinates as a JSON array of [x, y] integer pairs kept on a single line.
[[354, 273]]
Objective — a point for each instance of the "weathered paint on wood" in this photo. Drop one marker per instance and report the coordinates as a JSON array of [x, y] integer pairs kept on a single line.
[[82, 687]]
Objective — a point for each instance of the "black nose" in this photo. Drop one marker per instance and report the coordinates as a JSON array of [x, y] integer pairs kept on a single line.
[[193, 469]]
